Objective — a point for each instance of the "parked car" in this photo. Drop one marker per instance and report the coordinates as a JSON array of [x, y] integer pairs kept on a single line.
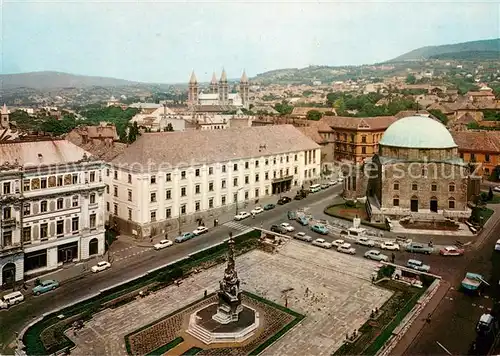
[[320, 229], [3, 305], [302, 220], [257, 210], [340, 179], [497, 188], [100, 266], [338, 243], [45, 286], [389, 245], [451, 251], [365, 241], [302, 236], [12, 299], [497, 245], [277, 228], [325, 186], [419, 248], [241, 215], [284, 200], [200, 230], [346, 248], [418, 265], [322, 243], [332, 182], [184, 237], [376, 255], [163, 244], [291, 215], [269, 206], [287, 227]]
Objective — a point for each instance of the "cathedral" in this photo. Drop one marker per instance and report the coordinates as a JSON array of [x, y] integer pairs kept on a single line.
[[219, 92]]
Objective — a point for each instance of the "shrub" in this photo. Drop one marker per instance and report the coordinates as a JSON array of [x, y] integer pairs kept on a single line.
[[350, 204]]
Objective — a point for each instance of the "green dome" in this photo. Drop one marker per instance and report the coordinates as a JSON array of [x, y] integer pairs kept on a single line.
[[417, 132]]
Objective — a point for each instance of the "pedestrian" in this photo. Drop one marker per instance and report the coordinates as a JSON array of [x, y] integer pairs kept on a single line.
[[151, 240], [393, 257], [428, 319], [215, 222], [166, 236], [205, 294]]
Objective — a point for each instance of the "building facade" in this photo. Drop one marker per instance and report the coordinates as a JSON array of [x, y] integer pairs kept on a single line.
[[165, 179], [417, 173], [52, 206], [481, 149]]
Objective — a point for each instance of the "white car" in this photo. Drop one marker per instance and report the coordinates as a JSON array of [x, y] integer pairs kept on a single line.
[[365, 241], [338, 243], [162, 244], [3, 305], [340, 179], [101, 266], [302, 236], [287, 227], [200, 230], [391, 246], [376, 256], [322, 243], [257, 210], [242, 215], [497, 188], [332, 182], [346, 248]]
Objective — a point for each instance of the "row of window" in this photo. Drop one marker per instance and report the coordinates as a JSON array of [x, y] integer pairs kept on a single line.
[[434, 187], [451, 201], [473, 157], [340, 137]]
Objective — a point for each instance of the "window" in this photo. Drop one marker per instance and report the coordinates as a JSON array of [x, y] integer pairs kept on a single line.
[[168, 194], [197, 205], [223, 200], [168, 177], [247, 165], [256, 192], [472, 156], [223, 168], [266, 176], [197, 172], [247, 179], [396, 186], [266, 162], [43, 206], [281, 159], [26, 185], [129, 214], [107, 189], [183, 191], [44, 229], [256, 163], [115, 207], [434, 187], [363, 139], [363, 150], [395, 202], [210, 170], [27, 234], [295, 170], [107, 206], [266, 191], [246, 195], [43, 183], [129, 195], [274, 174], [183, 175], [197, 189], [486, 157], [26, 209], [256, 177], [451, 187], [274, 160], [75, 201], [153, 215], [129, 179], [211, 186], [7, 238], [75, 222], [6, 188], [60, 227], [7, 213], [295, 158], [92, 176], [451, 203], [211, 203], [115, 191], [287, 172], [183, 209], [235, 182], [59, 181], [115, 175], [287, 159], [235, 167], [414, 186], [92, 198], [223, 184], [168, 213], [107, 172], [60, 203], [153, 197], [92, 221]]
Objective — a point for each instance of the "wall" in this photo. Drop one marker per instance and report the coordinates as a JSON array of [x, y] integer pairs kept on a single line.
[[486, 167]]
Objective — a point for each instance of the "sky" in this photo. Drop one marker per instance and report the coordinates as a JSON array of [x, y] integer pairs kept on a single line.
[[163, 41]]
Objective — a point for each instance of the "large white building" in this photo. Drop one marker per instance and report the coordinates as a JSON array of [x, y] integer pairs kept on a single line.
[[51, 205], [168, 178]]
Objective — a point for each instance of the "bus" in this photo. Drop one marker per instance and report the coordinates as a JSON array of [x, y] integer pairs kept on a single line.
[[315, 188]]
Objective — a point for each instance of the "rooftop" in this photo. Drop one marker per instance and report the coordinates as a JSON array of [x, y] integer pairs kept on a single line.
[[359, 123], [196, 147], [477, 141]]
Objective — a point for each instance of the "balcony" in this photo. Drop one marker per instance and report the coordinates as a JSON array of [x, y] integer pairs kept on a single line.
[[10, 249], [8, 222]]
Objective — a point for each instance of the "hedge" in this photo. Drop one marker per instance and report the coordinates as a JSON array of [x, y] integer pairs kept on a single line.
[[366, 223], [88, 307], [161, 350], [192, 351]]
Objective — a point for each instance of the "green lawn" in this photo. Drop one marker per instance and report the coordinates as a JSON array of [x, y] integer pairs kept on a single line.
[[348, 212]]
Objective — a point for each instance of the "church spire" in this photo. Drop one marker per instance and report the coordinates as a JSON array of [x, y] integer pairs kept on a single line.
[[223, 76], [214, 79], [193, 78], [244, 78], [4, 109]]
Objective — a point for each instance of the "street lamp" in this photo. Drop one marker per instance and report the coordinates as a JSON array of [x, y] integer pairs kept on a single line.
[[237, 191], [179, 221]]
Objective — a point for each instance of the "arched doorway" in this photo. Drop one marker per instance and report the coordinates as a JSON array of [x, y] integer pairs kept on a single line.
[[93, 247], [434, 205], [414, 204], [9, 274]]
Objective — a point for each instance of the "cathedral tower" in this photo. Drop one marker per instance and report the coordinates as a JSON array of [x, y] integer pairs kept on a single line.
[[193, 90], [244, 85], [213, 84], [4, 121], [223, 89]]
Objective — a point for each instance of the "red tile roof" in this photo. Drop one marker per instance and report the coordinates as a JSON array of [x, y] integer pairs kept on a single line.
[[477, 141]]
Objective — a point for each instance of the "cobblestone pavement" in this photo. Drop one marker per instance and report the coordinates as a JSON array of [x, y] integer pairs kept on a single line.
[[339, 300]]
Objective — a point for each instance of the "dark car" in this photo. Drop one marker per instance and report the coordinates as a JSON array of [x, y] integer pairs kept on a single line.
[[276, 228], [269, 206], [284, 200]]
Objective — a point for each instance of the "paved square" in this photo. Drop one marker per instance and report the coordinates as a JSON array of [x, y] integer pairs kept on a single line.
[[339, 299]]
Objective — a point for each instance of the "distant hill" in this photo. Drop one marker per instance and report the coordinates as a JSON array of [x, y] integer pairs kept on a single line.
[[57, 80], [484, 49]]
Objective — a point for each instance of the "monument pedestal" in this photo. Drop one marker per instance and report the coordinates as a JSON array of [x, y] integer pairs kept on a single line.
[[226, 314]]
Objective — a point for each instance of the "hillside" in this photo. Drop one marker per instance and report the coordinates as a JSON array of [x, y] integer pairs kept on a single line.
[[57, 80], [466, 50]]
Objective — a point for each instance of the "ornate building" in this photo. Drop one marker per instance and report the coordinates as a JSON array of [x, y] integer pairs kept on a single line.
[[417, 173], [219, 93]]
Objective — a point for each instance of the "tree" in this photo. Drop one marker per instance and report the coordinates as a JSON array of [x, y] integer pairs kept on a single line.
[[438, 113], [411, 79], [339, 104], [283, 108], [133, 132], [314, 115], [490, 194], [169, 127]]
